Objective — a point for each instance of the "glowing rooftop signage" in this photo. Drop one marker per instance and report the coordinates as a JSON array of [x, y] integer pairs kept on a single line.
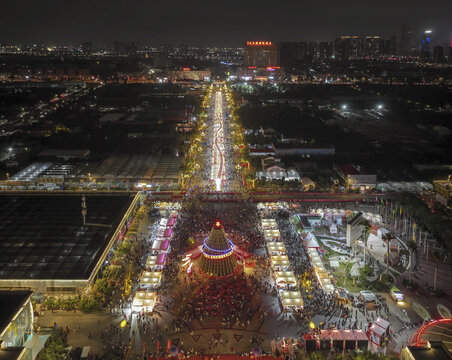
[[259, 43]]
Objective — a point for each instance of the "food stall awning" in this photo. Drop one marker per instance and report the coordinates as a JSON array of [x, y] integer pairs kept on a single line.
[[282, 274], [151, 274], [161, 258], [270, 234], [160, 245], [279, 260], [291, 298], [274, 241], [171, 221], [163, 222], [151, 261], [284, 278], [144, 299], [160, 231], [269, 224], [274, 246], [149, 281], [168, 232], [293, 302]]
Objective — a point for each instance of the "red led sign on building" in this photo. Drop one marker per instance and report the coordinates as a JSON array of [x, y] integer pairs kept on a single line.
[[185, 69], [259, 43]]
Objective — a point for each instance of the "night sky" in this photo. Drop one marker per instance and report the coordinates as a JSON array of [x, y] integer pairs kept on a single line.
[[200, 22]]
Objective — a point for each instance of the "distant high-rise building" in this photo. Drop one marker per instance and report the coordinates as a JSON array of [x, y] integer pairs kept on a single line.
[[392, 49], [438, 54], [406, 35], [356, 46], [87, 47], [262, 54], [289, 54], [325, 50], [343, 48], [449, 57], [371, 46], [313, 50], [426, 43], [303, 50]]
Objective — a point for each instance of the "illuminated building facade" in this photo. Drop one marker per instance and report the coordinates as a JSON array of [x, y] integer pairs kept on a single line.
[[425, 45], [262, 54]]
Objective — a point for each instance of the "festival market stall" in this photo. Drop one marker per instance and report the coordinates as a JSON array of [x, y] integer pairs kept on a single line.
[[160, 246], [285, 279], [272, 234], [279, 261], [291, 299], [269, 224], [150, 279], [144, 301], [276, 248]]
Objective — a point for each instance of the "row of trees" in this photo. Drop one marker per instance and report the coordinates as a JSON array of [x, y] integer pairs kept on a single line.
[[56, 346]]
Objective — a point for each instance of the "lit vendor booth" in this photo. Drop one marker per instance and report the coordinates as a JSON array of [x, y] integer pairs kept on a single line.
[[285, 279], [291, 299], [156, 261], [150, 279], [279, 262], [268, 224], [144, 301], [272, 234], [160, 246], [379, 331], [276, 248]]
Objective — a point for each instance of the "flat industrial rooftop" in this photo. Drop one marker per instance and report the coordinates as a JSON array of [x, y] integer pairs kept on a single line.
[[43, 237]]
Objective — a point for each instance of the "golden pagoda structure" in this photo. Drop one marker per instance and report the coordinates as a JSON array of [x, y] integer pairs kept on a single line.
[[217, 259]]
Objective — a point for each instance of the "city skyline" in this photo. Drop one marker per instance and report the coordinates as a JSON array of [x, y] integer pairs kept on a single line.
[[204, 23]]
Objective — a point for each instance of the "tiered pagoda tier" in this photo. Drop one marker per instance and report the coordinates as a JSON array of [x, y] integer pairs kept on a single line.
[[217, 253]]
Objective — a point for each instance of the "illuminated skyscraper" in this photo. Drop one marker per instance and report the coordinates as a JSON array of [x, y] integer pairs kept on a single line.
[[406, 36], [425, 45]]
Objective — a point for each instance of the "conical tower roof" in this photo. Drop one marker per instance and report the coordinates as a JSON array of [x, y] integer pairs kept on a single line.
[[217, 253]]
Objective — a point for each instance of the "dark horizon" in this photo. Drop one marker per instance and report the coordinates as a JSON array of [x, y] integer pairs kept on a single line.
[[202, 23]]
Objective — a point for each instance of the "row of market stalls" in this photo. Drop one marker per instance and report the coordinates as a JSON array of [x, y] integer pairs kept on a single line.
[[323, 276], [336, 339], [304, 225], [284, 278], [150, 279]]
